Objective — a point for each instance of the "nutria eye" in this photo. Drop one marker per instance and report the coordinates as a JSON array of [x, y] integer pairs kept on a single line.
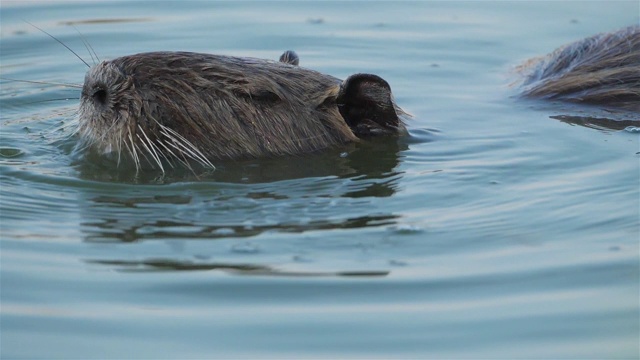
[[100, 96]]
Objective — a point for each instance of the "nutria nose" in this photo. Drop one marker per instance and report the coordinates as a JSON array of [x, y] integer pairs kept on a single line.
[[99, 96]]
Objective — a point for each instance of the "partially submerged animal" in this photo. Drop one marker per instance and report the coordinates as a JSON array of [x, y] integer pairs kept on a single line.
[[183, 106], [176, 106], [603, 69]]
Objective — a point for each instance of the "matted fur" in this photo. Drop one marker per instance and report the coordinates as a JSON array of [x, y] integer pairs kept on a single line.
[[180, 105], [602, 69]]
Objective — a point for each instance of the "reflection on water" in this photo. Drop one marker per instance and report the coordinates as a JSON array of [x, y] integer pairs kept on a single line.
[[591, 116], [218, 208], [118, 230], [105, 21], [161, 265], [597, 123]]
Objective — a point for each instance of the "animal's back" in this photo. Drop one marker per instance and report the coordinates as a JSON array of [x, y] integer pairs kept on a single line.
[[232, 107], [603, 69]]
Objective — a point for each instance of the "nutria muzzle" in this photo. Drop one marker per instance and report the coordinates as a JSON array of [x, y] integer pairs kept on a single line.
[[177, 106]]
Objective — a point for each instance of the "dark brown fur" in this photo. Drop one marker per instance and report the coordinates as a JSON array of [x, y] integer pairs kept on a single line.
[[179, 105], [603, 69]]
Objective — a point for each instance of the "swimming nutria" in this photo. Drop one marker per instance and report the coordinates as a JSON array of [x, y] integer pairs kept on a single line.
[[603, 69], [180, 105]]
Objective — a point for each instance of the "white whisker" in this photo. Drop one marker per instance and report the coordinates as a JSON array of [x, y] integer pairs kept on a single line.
[[181, 149], [143, 155], [185, 163], [193, 151], [151, 149], [87, 45], [133, 152], [119, 146], [161, 143], [59, 41]]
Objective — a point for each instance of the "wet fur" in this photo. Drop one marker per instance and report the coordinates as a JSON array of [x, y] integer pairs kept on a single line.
[[168, 107], [603, 69], [180, 105]]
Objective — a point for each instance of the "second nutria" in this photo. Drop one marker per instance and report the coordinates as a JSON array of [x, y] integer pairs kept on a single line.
[[176, 106], [603, 69]]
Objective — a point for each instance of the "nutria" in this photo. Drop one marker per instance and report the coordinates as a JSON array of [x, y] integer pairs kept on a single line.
[[172, 106], [603, 69]]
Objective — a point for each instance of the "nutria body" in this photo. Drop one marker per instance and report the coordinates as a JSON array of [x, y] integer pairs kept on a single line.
[[603, 69], [172, 106]]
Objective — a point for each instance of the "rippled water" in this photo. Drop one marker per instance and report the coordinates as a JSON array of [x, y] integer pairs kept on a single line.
[[500, 228]]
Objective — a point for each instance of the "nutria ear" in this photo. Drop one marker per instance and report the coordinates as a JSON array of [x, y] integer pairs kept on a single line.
[[366, 104], [290, 57]]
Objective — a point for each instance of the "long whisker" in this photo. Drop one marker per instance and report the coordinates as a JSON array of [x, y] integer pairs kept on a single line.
[[59, 131], [119, 145], [158, 151], [181, 159], [81, 147], [161, 143], [181, 155], [44, 101], [87, 45], [184, 162], [84, 145], [106, 133], [143, 154], [76, 129], [194, 152], [63, 44], [77, 86], [185, 149], [126, 144], [151, 149], [179, 150], [133, 152]]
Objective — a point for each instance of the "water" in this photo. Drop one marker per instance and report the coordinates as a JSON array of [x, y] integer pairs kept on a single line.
[[501, 228]]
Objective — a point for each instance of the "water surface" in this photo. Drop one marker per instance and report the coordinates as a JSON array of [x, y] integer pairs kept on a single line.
[[500, 228]]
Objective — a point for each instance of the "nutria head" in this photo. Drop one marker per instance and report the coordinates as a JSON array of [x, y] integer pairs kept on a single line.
[[176, 106]]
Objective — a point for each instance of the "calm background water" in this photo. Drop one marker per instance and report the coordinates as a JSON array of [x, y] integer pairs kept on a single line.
[[493, 231]]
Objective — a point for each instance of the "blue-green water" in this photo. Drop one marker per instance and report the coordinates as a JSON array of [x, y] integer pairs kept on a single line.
[[493, 231]]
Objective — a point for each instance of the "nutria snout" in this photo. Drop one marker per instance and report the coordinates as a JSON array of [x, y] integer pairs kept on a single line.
[[177, 106], [603, 69]]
